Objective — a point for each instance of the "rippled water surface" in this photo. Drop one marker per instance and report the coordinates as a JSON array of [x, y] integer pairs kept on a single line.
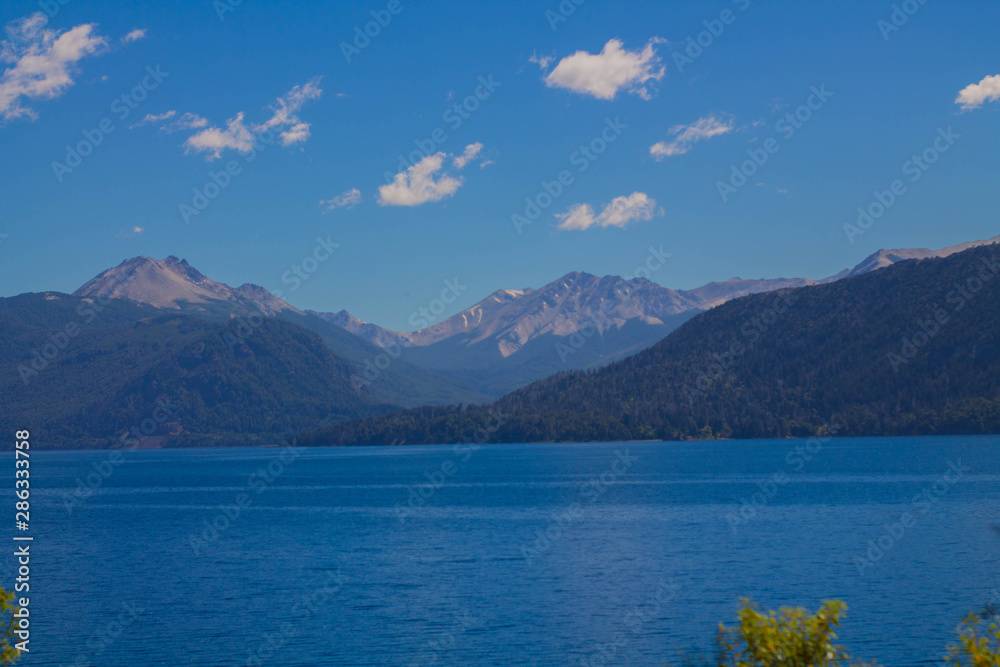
[[617, 553]]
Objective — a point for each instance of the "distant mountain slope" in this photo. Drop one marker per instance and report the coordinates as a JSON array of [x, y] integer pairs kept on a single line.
[[511, 318], [226, 382], [390, 379], [913, 348], [715, 294], [173, 284], [372, 333], [513, 337], [884, 258]]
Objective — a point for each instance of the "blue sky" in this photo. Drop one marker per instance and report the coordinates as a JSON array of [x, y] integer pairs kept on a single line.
[[338, 126]]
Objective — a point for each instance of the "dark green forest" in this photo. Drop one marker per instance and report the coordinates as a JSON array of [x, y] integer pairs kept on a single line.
[[82, 373]]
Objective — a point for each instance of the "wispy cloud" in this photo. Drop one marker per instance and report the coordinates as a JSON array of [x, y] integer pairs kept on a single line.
[[542, 61], [42, 60], [615, 68], [975, 95], [686, 136], [134, 36], [426, 181], [619, 213], [128, 233], [151, 118], [348, 199], [239, 136], [186, 121], [471, 151]]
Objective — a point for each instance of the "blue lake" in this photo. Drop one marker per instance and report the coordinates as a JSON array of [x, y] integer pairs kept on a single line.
[[589, 554]]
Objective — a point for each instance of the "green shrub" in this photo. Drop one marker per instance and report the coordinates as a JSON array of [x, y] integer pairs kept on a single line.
[[978, 644], [789, 638], [8, 654]]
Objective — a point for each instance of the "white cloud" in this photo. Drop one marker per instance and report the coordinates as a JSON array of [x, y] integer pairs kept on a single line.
[[155, 118], [239, 136], [417, 185], [349, 199], [619, 213], [187, 121], [134, 36], [295, 134], [214, 140], [604, 74], [542, 61], [43, 61], [128, 233], [687, 135], [287, 106], [623, 210], [975, 94], [579, 216], [471, 151]]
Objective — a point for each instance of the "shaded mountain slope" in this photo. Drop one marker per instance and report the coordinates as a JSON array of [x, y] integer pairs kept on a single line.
[[80, 377], [174, 285]]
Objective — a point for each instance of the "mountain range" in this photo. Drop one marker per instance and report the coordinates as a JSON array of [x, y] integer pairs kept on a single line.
[[173, 285], [513, 337], [248, 367], [913, 348]]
